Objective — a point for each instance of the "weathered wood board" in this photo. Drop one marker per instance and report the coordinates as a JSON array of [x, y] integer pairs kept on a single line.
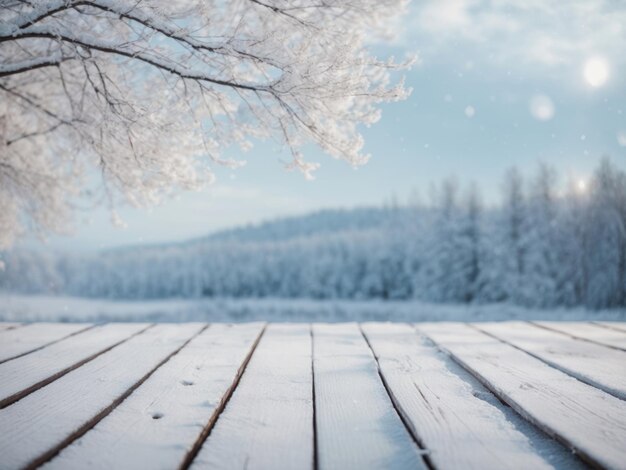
[[619, 326], [18, 342], [41, 424], [591, 363], [268, 422], [26, 374], [161, 421], [590, 421], [591, 332], [357, 425], [319, 397], [454, 417]]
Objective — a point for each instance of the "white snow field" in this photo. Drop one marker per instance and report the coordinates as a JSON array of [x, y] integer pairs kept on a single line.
[[23, 308]]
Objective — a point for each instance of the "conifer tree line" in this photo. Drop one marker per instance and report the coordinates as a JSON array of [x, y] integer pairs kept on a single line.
[[545, 244]]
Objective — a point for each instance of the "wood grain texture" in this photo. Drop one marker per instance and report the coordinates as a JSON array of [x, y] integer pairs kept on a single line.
[[604, 368], [268, 422], [166, 396], [21, 341], [25, 374], [159, 423], [460, 423], [591, 422], [49, 419], [357, 425], [588, 332]]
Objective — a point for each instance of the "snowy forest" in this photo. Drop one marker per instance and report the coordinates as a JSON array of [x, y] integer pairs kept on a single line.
[[544, 244]]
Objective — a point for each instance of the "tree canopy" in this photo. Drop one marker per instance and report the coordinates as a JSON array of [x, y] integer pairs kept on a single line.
[[153, 92]]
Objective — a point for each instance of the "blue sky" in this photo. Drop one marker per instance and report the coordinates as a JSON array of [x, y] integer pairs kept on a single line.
[[498, 83]]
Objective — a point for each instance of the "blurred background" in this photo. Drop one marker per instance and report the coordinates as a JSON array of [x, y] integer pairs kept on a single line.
[[499, 181]]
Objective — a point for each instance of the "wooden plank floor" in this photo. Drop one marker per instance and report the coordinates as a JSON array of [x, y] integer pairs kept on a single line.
[[313, 396]]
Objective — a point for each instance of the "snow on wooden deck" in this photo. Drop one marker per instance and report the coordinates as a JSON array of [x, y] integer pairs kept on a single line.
[[321, 396]]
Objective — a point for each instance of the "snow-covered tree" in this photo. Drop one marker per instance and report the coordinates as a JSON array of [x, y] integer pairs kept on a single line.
[[150, 93], [513, 237], [572, 227], [442, 278], [539, 248], [606, 242], [471, 249], [539, 284]]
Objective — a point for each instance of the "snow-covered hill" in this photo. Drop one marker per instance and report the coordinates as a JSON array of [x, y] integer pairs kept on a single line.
[[538, 248]]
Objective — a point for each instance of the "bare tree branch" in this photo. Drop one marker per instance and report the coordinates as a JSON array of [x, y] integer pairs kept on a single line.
[[149, 92]]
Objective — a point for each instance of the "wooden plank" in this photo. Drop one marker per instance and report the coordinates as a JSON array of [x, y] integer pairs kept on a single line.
[[7, 325], [588, 332], [21, 341], [37, 427], [460, 422], [357, 425], [186, 395], [25, 374], [615, 325], [596, 365], [268, 422], [591, 422]]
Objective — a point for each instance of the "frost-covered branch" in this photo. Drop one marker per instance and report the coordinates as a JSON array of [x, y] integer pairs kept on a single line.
[[152, 92]]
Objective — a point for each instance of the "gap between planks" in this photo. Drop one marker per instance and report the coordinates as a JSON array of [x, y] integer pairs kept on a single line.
[[459, 421], [586, 419], [358, 424], [594, 364], [89, 424], [9, 400], [617, 342], [423, 451], [617, 326], [267, 423], [206, 431], [315, 446], [235, 414], [49, 343], [208, 428], [185, 392]]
